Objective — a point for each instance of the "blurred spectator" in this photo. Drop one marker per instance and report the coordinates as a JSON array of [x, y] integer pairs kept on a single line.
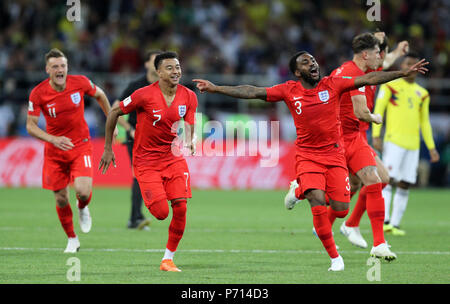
[[217, 37]]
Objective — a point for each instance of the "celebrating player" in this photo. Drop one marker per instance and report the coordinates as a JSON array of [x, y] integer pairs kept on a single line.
[[362, 104], [360, 159], [162, 175], [407, 106], [68, 149], [320, 159]]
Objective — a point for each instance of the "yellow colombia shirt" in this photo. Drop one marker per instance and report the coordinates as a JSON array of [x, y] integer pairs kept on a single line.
[[407, 109]]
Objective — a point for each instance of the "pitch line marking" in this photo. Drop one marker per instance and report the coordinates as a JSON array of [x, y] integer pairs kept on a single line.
[[221, 251]]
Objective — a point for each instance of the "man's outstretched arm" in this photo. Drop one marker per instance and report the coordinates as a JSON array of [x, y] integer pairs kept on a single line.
[[240, 91], [375, 78]]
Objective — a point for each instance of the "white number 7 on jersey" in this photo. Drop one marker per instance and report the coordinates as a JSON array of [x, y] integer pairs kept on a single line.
[[159, 118], [187, 177]]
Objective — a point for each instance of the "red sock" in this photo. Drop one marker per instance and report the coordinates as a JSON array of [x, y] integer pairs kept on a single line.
[[375, 211], [65, 217], [358, 211], [333, 214], [177, 224], [323, 229], [82, 204]]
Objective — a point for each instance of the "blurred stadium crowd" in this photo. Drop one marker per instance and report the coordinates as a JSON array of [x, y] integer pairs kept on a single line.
[[254, 38]]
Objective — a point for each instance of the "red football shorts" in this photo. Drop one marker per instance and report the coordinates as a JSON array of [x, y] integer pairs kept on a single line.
[[364, 136], [332, 179], [62, 167], [167, 182], [358, 154]]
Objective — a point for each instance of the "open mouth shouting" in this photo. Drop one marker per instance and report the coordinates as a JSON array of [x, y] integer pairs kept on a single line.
[[60, 77], [314, 71]]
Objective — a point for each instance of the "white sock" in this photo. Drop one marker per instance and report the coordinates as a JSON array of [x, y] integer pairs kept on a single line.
[[387, 195], [399, 207], [168, 255]]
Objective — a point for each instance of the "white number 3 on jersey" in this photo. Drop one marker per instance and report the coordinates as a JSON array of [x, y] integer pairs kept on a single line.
[[298, 110]]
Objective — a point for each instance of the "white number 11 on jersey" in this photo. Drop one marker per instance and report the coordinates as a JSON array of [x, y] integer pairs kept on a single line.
[[52, 112]]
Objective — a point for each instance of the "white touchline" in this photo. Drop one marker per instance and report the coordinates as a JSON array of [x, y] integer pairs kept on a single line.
[[223, 251]]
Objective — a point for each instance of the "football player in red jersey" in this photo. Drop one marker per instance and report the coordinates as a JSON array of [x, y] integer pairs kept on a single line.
[[320, 159], [363, 163], [68, 149], [162, 174]]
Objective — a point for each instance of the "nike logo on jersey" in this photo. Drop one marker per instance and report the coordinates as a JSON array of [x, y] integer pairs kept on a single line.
[[297, 98], [51, 105], [156, 111]]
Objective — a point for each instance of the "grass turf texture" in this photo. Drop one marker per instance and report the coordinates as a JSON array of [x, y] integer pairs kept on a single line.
[[232, 237]]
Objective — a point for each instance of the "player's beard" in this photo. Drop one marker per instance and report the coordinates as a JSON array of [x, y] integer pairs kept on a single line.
[[309, 79]]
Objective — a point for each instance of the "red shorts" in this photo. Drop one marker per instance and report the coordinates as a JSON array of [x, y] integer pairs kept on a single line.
[[358, 154], [364, 136], [332, 179], [164, 183], [62, 167]]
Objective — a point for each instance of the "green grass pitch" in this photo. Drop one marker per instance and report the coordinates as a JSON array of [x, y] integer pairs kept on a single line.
[[231, 237]]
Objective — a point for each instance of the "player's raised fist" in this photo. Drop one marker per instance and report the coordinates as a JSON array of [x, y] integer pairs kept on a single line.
[[403, 46], [204, 85], [376, 118]]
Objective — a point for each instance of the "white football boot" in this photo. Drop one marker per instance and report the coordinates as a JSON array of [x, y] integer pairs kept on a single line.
[[353, 235], [382, 251], [85, 219], [337, 264], [73, 245], [290, 200]]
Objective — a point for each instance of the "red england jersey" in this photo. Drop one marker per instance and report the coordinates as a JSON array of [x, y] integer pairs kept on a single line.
[[315, 112], [350, 124], [63, 111], [157, 122]]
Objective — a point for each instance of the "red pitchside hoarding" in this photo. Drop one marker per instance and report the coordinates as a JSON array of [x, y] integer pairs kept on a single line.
[[21, 162]]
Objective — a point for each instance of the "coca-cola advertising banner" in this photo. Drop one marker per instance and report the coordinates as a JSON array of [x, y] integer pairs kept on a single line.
[[231, 165]]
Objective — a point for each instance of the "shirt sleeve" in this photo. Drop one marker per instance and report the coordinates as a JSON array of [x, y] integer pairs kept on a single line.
[[425, 125], [88, 86], [131, 103], [192, 109], [343, 83], [34, 107], [276, 92], [384, 94]]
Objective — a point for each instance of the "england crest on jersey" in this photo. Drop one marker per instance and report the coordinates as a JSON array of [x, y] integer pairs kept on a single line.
[[76, 98], [324, 96], [182, 110]]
